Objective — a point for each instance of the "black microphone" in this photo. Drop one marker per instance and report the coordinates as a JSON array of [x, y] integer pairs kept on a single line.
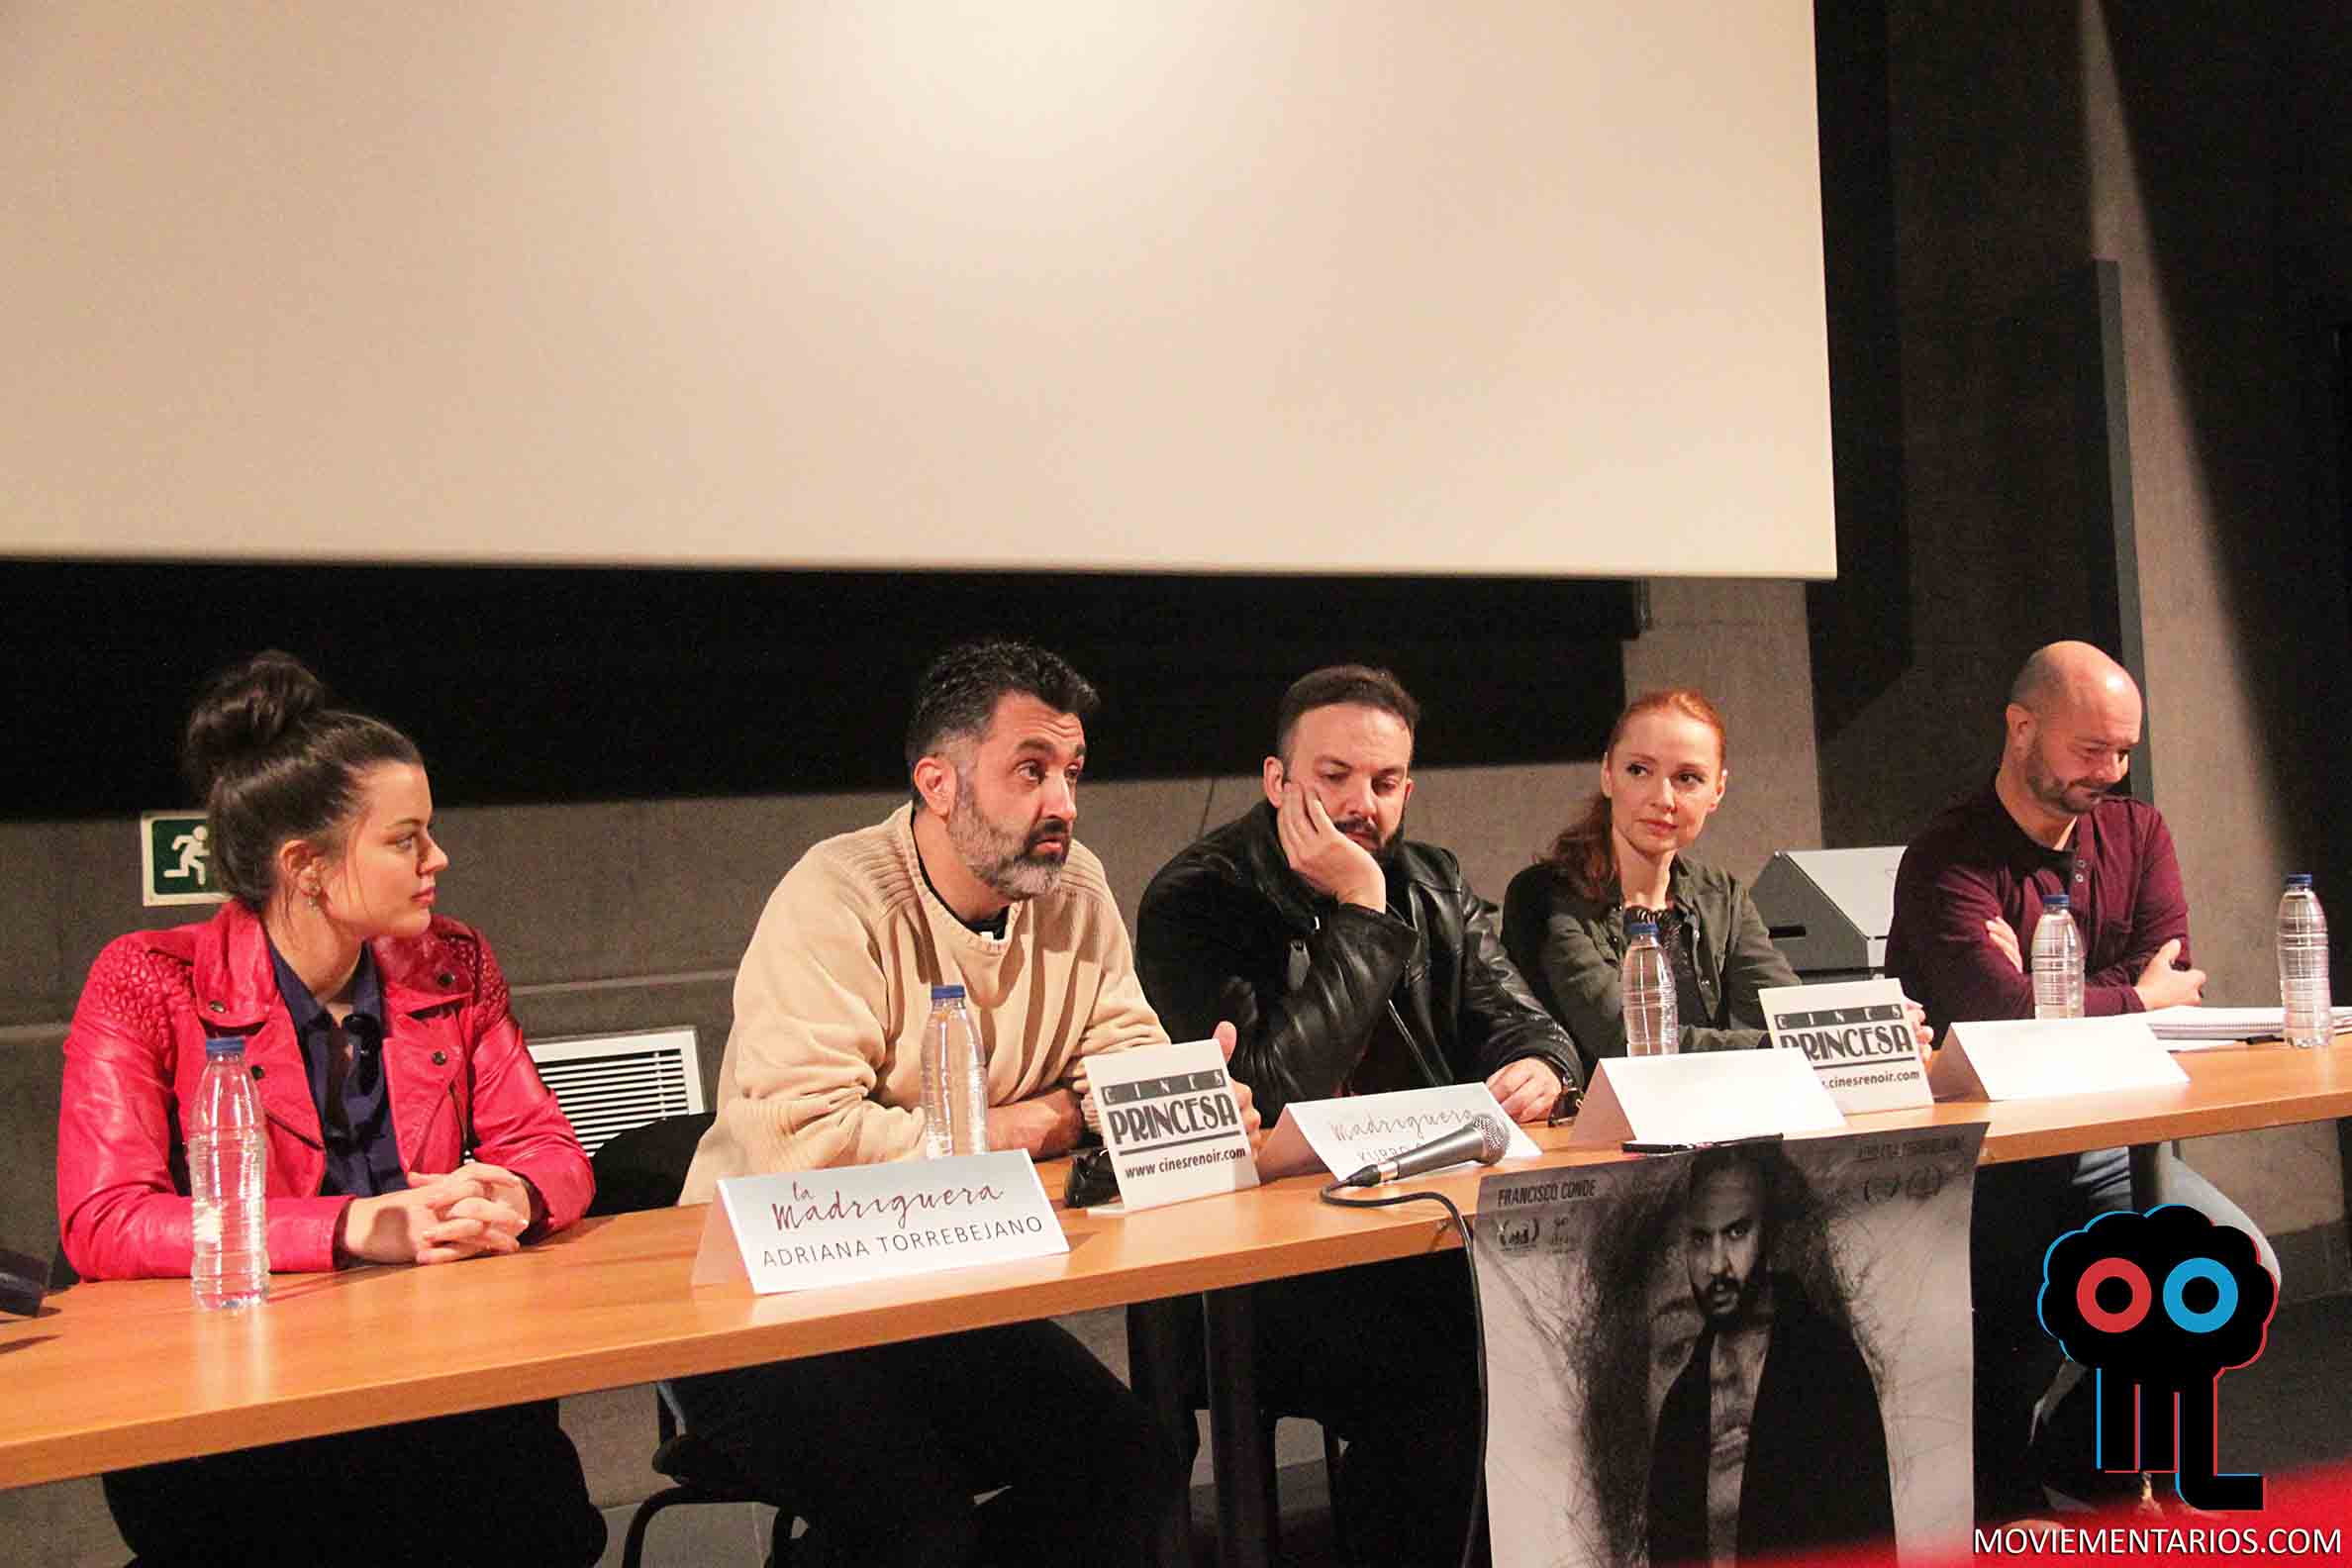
[[1481, 1139]]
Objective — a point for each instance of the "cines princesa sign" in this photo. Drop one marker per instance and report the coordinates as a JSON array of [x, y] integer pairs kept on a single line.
[[1172, 1123], [1858, 1038]]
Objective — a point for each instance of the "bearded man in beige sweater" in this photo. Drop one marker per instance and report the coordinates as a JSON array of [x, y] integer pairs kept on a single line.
[[978, 881]]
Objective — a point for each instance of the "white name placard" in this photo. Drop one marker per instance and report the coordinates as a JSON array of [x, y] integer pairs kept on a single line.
[[2030, 1058], [1172, 1124], [1705, 1097], [802, 1229], [1345, 1135], [1857, 1037]]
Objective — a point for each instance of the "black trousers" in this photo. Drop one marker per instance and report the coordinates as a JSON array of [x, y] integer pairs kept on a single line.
[[1383, 1354], [882, 1451], [497, 1487]]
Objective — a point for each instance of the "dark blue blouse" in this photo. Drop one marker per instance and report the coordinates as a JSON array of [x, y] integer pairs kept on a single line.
[[354, 1106]]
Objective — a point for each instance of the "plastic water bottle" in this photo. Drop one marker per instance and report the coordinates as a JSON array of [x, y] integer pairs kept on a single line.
[[954, 1078], [225, 1177], [1651, 1028], [2057, 961], [2302, 965]]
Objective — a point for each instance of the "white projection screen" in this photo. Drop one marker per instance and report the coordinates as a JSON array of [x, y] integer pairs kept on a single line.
[[1410, 286]]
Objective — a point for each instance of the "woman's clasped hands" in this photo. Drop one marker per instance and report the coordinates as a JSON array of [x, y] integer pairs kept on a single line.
[[471, 1210]]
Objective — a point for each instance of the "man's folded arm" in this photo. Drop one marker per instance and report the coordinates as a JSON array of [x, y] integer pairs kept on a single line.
[[1958, 974], [2159, 913]]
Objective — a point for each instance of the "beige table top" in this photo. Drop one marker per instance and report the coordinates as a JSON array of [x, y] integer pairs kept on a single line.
[[129, 1372]]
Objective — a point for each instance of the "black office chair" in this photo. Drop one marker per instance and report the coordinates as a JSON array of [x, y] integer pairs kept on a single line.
[[645, 1168]]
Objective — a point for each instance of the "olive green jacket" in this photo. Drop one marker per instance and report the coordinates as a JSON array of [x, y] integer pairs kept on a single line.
[[1569, 948]]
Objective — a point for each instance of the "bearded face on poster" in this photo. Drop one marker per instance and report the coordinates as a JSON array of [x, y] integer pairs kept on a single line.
[[1775, 1394], [1702, 1381]]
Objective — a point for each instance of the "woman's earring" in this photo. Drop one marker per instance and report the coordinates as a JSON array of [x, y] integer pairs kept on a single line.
[[310, 896]]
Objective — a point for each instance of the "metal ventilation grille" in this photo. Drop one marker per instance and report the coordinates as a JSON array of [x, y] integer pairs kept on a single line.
[[608, 1084]]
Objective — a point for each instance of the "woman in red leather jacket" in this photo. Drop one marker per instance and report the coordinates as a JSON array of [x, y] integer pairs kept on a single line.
[[404, 1123]]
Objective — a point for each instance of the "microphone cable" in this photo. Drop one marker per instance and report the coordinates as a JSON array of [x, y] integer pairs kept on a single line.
[[1330, 1195]]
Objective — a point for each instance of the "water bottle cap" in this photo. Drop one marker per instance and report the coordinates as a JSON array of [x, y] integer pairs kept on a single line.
[[939, 994], [2299, 879], [1642, 928], [2057, 901], [224, 1046]]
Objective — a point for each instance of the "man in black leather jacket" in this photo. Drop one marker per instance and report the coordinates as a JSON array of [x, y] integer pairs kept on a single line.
[[1349, 959], [1352, 961]]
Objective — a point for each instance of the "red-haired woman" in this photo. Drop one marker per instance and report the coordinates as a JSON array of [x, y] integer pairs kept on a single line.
[[1661, 778]]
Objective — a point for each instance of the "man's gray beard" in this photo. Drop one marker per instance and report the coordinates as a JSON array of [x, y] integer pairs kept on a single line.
[[1000, 861]]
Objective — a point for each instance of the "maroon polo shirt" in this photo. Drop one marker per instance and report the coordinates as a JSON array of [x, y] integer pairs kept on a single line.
[[1974, 862]]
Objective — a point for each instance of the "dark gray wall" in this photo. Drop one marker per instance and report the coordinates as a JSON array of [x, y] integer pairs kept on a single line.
[[1979, 175], [1975, 173], [2218, 138], [1959, 358]]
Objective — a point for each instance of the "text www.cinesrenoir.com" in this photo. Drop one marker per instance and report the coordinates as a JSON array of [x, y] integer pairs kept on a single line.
[[2157, 1540]]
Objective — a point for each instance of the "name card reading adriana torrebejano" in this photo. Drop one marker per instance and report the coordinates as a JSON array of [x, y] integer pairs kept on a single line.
[[1345, 1135], [799, 1229], [1700, 1097], [2030, 1058], [1857, 1037], [1172, 1124]]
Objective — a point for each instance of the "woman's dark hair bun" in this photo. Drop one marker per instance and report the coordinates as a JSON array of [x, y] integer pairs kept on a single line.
[[272, 762], [244, 710]]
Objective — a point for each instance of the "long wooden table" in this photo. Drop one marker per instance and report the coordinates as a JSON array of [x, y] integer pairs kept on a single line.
[[125, 1373]]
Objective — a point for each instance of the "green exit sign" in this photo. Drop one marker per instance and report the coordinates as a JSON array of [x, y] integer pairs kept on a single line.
[[175, 859]]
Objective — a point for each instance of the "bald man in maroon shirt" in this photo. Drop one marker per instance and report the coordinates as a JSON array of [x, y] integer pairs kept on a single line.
[[1970, 891], [1967, 899]]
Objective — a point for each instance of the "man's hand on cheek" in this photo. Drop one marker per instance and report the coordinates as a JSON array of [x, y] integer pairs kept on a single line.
[[1325, 859]]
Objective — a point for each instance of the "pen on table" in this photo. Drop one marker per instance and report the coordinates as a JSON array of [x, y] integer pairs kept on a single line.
[[1632, 1146]]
